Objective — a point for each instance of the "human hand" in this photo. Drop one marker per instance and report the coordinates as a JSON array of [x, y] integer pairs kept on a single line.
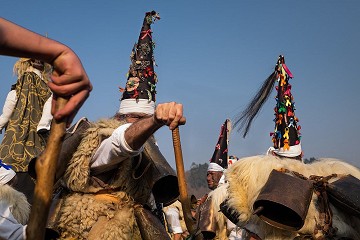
[[170, 114], [69, 80]]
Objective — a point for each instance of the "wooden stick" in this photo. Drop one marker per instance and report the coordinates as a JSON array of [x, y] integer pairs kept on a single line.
[[185, 201], [45, 171]]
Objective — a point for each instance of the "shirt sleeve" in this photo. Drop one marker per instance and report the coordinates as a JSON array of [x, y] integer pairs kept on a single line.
[[9, 228], [8, 108], [46, 117], [114, 149], [173, 219]]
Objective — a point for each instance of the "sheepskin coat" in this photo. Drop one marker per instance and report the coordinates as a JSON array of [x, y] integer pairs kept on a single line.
[[79, 178], [247, 177], [19, 206], [99, 209]]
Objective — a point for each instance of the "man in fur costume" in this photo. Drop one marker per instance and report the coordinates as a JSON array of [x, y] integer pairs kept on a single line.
[[108, 177], [247, 177], [24, 107], [277, 196], [208, 223]]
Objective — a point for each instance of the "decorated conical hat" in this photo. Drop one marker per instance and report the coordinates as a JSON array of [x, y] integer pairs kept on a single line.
[[219, 160], [286, 136], [139, 93]]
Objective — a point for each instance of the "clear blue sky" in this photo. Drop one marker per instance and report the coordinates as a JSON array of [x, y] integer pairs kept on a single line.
[[213, 56]]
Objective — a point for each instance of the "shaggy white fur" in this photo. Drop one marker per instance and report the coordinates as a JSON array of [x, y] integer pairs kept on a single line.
[[20, 208], [247, 176]]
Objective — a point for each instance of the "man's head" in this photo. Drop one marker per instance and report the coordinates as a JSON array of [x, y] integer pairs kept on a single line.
[[213, 179], [214, 174], [40, 65], [27, 64], [131, 117]]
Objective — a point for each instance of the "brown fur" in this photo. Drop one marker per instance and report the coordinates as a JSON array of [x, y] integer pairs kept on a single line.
[[77, 175], [79, 215], [85, 214]]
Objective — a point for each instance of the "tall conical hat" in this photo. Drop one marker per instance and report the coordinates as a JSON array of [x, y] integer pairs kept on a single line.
[[286, 137], [219, 160], [139, 92]]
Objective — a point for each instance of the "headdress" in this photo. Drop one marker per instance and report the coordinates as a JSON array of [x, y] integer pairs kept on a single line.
[[286, 136], [27, 64], [219, 160], [139, 92]]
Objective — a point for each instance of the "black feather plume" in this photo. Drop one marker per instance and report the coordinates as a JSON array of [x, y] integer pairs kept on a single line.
[[244, 120]]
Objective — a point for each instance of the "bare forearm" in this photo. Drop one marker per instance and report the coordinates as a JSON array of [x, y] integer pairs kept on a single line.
[[20, 42], [137, 134], [170, 114], [68, 79]]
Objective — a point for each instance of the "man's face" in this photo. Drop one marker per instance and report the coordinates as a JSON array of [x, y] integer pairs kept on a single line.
[[213, 179], [131, 117]]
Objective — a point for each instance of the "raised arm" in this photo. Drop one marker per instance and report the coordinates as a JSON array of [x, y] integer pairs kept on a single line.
[[170, 114], [69, 78]]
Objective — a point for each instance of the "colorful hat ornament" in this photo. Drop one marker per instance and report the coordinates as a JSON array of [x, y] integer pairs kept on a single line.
[[286, 136], [219, 160], [139, 92], [232, 159]]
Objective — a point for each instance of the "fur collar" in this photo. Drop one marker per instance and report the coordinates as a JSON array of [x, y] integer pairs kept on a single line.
[[78, 178], [77, 175]]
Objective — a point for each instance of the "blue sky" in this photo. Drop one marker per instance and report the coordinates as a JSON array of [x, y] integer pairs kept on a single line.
[[213, 56]]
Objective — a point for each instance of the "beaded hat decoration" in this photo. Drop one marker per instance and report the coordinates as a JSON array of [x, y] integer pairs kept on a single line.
[[139, 92]]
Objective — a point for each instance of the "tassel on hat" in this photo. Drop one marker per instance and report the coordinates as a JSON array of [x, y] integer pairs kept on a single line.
[[219, 160], [286, 136], [139, 93]]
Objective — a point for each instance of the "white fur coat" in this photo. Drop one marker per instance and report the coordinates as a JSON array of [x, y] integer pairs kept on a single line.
[[246, 178]]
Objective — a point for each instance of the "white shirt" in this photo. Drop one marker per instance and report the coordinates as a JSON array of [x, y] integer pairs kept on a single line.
[[113, 150], [236, 233], [8, 108], [10, 229], [173, 218], [46, 117]]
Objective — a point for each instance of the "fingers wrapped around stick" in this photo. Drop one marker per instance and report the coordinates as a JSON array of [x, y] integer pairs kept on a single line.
[[170, 114]]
